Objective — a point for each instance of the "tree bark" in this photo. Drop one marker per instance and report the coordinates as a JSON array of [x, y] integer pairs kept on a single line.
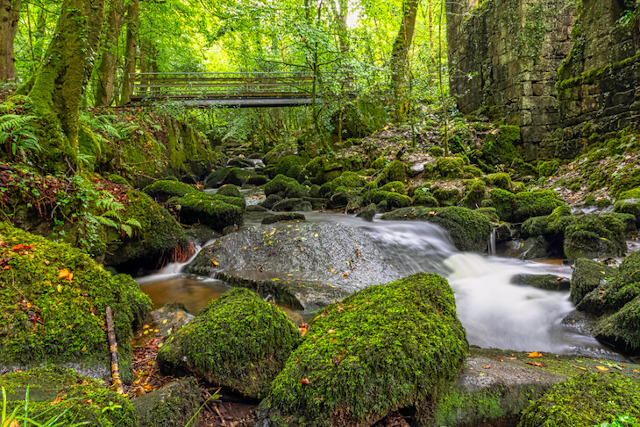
[[9, 17], [133, 22], [108, 60], [399, 64], [55, 91]]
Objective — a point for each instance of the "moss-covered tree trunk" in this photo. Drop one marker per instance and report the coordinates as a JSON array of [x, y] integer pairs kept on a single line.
[[9, 17], [108, 60], [57, 87], [133, 18], [399, 64]]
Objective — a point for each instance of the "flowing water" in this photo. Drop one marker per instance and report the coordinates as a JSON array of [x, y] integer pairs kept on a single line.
[[494, 312]]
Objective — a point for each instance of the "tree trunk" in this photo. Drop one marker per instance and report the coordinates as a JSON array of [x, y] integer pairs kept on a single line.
[[108, 61], [55, 91], [9, 17], [133, 21], [399, 64]]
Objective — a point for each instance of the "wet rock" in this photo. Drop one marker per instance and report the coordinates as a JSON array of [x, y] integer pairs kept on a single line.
[[175, 404], [361, 365], [214, 211], [542, 281], [239, 162], [587, 276], [531, 248], [256, 208], [270, 201], [169, 319], [469, 230], [288, 205], [285, 187], [291, 216], [368, 213], [238, 341], [301, 265]]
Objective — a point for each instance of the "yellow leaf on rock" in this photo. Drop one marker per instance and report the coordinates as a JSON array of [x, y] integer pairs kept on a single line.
[[534, 354], [66, 275], [602, 368]]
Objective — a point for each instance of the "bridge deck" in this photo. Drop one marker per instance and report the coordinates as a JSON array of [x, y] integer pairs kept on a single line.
[[224, 89]]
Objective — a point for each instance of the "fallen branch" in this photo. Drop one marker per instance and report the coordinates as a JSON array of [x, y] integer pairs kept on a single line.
[[113, 349]]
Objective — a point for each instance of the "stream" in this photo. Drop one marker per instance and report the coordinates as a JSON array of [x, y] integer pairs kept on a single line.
[[495, 313]]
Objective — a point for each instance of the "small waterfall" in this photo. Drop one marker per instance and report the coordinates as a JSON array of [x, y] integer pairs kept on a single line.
[[492, 242]]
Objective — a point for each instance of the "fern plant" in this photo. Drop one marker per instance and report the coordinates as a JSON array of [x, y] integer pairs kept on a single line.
[[18, 135]]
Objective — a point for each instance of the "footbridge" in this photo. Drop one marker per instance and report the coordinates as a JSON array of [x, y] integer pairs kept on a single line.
[[253, 89]]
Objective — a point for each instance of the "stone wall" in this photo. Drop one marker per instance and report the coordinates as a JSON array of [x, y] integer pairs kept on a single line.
[[504, 56], [599, 87]]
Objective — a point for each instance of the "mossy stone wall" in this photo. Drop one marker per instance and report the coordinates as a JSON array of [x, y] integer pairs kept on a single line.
[[599, 82], [503, 57]]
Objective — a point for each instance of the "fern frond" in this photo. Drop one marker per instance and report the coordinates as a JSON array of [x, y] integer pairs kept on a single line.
[[126, 229], [10, 121], [134, 223], [107, 222]]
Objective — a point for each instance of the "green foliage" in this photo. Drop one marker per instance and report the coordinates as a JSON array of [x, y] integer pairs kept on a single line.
[[238, 341], [500, 180], [501, 148], [19, 135], [290, 166], [285, 187], [584, 400], [384, 347], [450, 167]]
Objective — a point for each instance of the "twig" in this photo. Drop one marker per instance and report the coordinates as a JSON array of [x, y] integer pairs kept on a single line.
[[113, 349]]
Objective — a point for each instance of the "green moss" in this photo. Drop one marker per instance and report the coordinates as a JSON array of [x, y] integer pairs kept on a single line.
[[622, 328], [435, 151], [394, 186], [379, 163], [447, 197], [389, 200], [500, 180], [587, 275], [61, 392], [491, 214], [230, 190], [159, 234], [584, 400], [524, 205], [595, 235], [630, 194], [290, 166], [285, 187], [628, 206], [175, 404], [349, 180], [217, 212], [386, 347], [163, 190], [68, 315], [449, 167], [422, 197], [548, 167], [394, 171], [500, 148], [471, 172], [238, 341], [475, 193], [468, 229]]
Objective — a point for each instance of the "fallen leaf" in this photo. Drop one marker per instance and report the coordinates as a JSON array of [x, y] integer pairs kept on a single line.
[[304, 381], [486, 367], [602, 368], [345, 274], [534, 354], [59, 287], [18, 248], [539, 365], [65, 275]]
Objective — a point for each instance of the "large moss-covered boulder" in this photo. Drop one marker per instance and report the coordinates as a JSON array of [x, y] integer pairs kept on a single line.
[[238, 341], [61, 397], [163, 190], [157, 237], [523, 205], [629, 206], [285, 187], [214, 211], [585, 400], [469, 230], [394, 171], [52, 304], [587, 276], [348, 180], [595, 235], [291, 166], [175, 404], [384, 348]]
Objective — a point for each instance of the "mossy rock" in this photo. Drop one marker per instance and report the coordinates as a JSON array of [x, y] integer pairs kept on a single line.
[[500, 180], [548, 168], [368, 213], [383, 348], [288, 205], [349, 180], [288, 216], [323, 169], [394, 186], [291, 166], [389, 200], [286, 187], [379, 163], [238, 341], [501, 148], [629, 206], [435, 151], [216, 212], [542, 281], [53, 302], [423, 197], [585, 400], [56, 392], [230, 190], [587, 276], [475, 193], [469, 230], [492, 214], [270, 201], [175, 404], [450, 167], [163, 190], [447, 197], [258, 179], [621, 329], [524, 205], [394, 171], [159, 235], [345, 197], [595, 235], [235, 176]]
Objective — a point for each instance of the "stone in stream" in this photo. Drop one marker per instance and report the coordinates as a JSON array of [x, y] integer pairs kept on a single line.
[[287, 216], [303, 265], [238, 341], [175, 404], [384, 348], [542, 281]]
